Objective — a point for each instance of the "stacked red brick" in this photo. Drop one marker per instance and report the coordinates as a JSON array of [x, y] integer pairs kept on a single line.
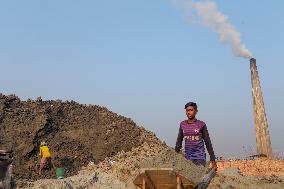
[[260, 167]]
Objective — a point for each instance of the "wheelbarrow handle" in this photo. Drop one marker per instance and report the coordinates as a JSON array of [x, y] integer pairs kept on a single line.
[[206, 179]]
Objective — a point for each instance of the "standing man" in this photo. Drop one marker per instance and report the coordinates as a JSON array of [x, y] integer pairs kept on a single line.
[[195, 134]]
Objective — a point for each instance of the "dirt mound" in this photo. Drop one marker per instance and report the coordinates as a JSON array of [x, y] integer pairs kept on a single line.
[[126, 165], [76, 134]]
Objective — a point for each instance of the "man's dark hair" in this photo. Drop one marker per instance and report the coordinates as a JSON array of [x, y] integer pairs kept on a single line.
[[193, 104]]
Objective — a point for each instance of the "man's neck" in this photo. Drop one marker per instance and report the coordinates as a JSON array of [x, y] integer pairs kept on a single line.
[[191, 120]]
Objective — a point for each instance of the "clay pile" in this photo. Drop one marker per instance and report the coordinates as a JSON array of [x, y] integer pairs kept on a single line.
[[76, 134]]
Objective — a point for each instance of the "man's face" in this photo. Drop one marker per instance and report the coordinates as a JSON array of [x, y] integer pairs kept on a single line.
[[191, 112]]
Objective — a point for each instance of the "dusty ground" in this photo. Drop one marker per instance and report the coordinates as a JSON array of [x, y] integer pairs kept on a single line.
[[120, 170], [223, 181], [85, 179], [120, 174], [255, 174]]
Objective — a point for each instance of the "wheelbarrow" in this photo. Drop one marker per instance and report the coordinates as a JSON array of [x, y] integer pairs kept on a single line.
[[168, 178]]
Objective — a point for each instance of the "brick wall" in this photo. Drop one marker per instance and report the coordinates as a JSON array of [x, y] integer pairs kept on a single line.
[[259, 167]]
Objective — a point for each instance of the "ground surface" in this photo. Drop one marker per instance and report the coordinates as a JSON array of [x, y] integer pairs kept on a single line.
[[120, 170], [116, 178]]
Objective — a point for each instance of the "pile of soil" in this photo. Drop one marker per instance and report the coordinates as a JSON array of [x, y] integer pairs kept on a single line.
[[76, 134], [126, 165]]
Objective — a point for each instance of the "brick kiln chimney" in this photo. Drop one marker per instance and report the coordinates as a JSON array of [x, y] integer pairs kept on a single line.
[[263, 143]]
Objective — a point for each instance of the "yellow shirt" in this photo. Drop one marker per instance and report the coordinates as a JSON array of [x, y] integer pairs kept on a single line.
[[44, 152]]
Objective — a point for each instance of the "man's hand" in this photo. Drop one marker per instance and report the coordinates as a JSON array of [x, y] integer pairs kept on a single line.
[[214, 165]]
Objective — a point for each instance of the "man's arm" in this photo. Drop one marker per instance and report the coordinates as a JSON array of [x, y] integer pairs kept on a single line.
[[208, 143], [179, 140]]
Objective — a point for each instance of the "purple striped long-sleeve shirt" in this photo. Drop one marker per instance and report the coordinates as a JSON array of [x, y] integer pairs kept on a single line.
[[195, 135]]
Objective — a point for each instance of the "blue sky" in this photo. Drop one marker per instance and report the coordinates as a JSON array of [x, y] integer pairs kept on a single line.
[[144, 60]]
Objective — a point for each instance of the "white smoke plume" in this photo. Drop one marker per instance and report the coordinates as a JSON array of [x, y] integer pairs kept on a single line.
[[209, 16]]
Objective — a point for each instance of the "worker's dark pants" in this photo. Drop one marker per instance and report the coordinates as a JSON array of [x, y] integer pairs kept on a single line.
[[199, 162]]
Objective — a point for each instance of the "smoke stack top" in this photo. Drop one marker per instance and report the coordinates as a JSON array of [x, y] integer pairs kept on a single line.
[[253, 63], [252, 60]]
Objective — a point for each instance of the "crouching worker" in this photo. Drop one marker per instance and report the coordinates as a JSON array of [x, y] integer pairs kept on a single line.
[[195, 134], [44, 155]]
